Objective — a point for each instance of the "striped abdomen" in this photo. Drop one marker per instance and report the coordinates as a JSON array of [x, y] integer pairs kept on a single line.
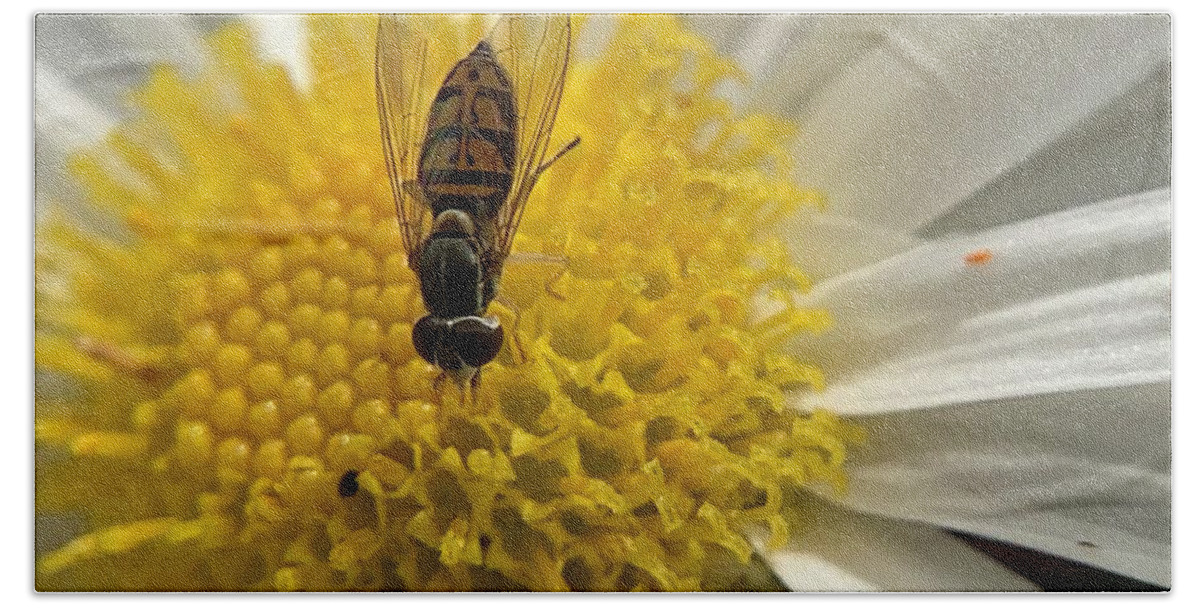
[[467, 160]]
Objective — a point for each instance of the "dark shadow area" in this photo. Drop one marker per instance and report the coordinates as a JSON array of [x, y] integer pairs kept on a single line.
[[1055, 573]]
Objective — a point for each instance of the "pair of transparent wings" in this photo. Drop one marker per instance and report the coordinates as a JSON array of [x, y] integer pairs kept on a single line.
[[413, 55]]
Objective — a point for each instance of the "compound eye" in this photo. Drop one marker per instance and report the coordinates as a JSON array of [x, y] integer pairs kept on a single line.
[[427, 335], [476, 340]]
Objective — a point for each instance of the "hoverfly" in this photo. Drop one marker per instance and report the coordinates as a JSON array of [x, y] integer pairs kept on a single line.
[[462, 159]]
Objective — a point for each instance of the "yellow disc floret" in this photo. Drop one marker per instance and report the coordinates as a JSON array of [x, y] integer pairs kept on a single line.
[[228, 394]]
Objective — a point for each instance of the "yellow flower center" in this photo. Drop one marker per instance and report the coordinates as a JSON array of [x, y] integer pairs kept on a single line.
[[246, 410]]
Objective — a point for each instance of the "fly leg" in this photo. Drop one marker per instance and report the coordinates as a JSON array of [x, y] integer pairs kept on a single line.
[[549, 285], [439, 382], [518, 352], [475, 381], [468, 390], [531, 257]]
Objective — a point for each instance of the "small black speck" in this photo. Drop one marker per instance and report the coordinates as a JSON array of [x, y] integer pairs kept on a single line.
[[1084, 543], [348, 484]]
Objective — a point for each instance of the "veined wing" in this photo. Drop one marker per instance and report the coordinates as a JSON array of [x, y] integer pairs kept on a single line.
[[536, 50], [407, 76]]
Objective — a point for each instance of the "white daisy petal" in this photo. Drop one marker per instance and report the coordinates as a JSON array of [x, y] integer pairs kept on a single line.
[[105, 56], [1084, 475], [1121, 149], [86, 66], [1116, 334], [283, 39], [1074, 300], [905, 116], [65, 120], [827, 244], [840, 550]]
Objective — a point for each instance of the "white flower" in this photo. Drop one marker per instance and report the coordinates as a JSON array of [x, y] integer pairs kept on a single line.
[[1026, 399], [995, 254]]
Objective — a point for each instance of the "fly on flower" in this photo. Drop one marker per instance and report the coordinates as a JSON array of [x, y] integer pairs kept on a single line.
[[463, 158]]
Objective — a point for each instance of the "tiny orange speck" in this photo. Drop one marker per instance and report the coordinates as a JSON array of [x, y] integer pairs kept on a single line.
[[979, 257]]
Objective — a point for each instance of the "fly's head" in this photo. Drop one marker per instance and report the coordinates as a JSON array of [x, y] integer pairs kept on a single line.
[[454, 344]]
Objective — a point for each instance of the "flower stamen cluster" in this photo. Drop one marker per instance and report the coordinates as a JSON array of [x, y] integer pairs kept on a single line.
[[246, 345]]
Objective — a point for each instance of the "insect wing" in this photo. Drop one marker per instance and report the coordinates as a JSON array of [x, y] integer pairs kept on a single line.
[[403, 92], [535, 49]]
